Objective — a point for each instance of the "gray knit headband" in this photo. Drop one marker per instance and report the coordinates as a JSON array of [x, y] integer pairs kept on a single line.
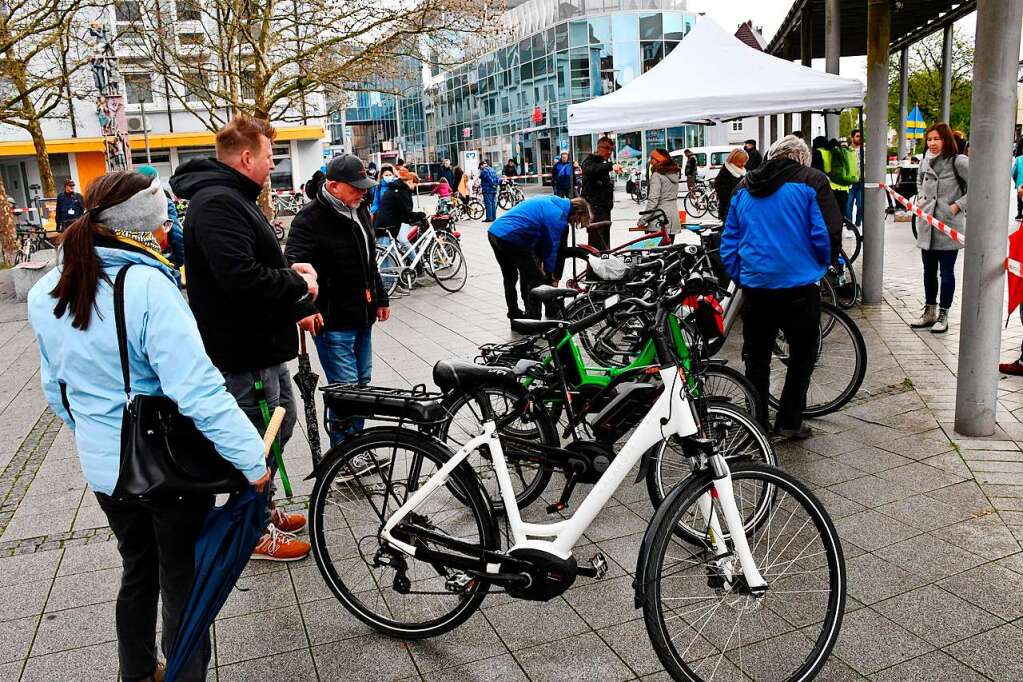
[[144, 211]]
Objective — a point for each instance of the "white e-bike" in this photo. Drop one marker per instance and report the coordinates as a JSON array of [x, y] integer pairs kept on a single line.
[[412, 546]]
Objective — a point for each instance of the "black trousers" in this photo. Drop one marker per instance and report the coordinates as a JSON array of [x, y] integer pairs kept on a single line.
[[600, 238], [157, 545], [795, 312], [518, 266]]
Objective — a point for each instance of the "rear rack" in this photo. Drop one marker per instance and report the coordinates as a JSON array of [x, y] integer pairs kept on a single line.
[[387, 404]]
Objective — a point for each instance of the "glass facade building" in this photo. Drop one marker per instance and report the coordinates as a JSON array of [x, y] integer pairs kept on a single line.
[[512, 102]]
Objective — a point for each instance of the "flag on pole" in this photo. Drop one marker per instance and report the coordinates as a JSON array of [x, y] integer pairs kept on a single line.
[[915, 125], [1013, 265]]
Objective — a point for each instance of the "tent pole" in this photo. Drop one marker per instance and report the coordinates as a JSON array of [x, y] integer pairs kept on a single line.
[[832, 55], [806, 59], [994, 110], [876, 139], [946, 74]]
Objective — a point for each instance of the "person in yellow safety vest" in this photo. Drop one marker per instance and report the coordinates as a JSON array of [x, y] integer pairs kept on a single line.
[[824, 152]]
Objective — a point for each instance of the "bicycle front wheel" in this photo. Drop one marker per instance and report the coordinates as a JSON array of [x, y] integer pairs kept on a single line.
[[446, 264], [474, 209], [504, 200], [703, 620], [696, 203], [362, 482], [852, 240]]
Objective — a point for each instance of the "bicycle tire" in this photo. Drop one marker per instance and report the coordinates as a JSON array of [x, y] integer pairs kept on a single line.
[[753, 440], [818, 613], [504, 201], [857, 240], [452, 252], [389, 269], [858, 348], [848, 295], [696, 203], [462, 486], [717, 377], [475, 209], [544, 433]]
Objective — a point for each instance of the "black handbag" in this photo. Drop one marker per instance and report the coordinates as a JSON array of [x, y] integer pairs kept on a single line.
[[163, 454]]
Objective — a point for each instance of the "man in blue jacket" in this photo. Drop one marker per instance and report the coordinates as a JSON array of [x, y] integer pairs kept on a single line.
[[489, 183], [70, 205], [783, 226], [564, 175], [526, 241]]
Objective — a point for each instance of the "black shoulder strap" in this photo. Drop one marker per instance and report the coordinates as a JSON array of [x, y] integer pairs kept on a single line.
[[959, 178], [122, 332], [64, 400]]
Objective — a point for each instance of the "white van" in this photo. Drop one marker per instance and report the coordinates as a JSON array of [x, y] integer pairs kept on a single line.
[[709, 160]]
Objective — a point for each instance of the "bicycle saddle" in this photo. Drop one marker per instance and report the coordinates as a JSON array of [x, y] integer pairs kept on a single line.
[[547, 293], [467, 376]]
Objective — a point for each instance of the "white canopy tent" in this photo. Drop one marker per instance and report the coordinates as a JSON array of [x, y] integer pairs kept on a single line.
[[712, 77]]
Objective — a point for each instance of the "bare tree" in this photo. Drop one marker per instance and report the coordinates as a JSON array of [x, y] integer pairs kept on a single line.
[[276, 59]]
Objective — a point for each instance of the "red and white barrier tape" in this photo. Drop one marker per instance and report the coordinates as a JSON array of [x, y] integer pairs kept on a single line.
[[1013, 267], [919, 212]]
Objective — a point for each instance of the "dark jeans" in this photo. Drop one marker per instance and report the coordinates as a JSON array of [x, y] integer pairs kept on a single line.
[[945, 261], [1019, 205], [157, 545], [277, 391], [490, 206], [518, 266], [600, 238], [797, 313], [565, 192]]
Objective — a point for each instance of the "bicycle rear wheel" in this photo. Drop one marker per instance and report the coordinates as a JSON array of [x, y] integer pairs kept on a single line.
[[852, 240], [696, 203], [703, 620], [736, 436], [391, 591], [726, 384], [839, 368], [389, 268], [474, 209]]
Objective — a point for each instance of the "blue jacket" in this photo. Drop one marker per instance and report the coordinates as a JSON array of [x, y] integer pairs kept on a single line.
[[489, 180], [539, 224], [783, 226], [1017, 171], [449, 174], [564, 172], [166, 357], [70, 207], [378, 193], [176, 235]]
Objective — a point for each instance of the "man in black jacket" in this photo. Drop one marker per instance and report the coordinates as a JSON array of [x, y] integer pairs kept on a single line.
[[333, 234], [70, 205], [599, 190], [245, 298], [755, 157]]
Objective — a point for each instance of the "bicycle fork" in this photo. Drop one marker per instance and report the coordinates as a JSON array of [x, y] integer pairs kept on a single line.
[[724, 493]]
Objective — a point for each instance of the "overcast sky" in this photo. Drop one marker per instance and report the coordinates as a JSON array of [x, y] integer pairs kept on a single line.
[[770, 13]]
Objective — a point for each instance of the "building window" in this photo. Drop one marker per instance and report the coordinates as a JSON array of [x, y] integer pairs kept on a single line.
[[280, 176], [128, 11], [196, 153], [138, 156], [188, 10], [737, 126], [191, 38], [138, 88], [193, 85]]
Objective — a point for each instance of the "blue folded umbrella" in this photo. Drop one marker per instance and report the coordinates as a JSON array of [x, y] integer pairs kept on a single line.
[[221, 553]]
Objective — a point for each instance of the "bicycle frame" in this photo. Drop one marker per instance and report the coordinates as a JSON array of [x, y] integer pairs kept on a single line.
[[671, 415], [417, 250]]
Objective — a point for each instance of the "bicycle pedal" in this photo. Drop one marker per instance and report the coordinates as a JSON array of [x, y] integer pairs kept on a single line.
[[598, 564], [556, 507]]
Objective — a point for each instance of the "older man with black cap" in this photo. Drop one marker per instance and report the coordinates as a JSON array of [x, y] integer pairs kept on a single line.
[[333, 234]]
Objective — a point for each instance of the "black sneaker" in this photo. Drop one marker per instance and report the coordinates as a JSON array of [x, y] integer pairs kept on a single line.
[[801, 433]]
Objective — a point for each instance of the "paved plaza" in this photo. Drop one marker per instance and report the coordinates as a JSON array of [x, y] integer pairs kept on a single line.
[[931, 525]]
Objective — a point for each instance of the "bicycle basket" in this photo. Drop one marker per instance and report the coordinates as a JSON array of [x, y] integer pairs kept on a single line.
[[378, 402], [608, 268]]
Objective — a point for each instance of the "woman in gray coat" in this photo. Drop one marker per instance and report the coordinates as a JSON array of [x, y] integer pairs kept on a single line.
[[664, 178], [942, 181]]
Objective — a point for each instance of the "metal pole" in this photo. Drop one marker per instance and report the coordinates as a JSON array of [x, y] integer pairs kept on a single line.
[[946, 74], [774, 129], [145, 131], [832, 54], [903, 102], [806, 59], [763, 142], [995, 63], [879, 25]]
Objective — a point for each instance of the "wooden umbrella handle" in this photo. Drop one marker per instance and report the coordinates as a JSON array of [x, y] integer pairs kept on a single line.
[[272, 428]]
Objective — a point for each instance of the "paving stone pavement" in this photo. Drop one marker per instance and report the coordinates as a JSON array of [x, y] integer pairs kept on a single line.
[[930, 523]]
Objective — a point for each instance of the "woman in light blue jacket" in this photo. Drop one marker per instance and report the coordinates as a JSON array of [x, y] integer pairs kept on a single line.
[[71, 311], [1017, 177]]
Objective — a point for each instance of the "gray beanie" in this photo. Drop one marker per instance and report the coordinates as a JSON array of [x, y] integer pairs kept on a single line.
[[144, 211]]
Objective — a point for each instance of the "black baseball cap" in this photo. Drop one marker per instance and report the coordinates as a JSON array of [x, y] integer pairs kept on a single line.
[[349, 169]]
